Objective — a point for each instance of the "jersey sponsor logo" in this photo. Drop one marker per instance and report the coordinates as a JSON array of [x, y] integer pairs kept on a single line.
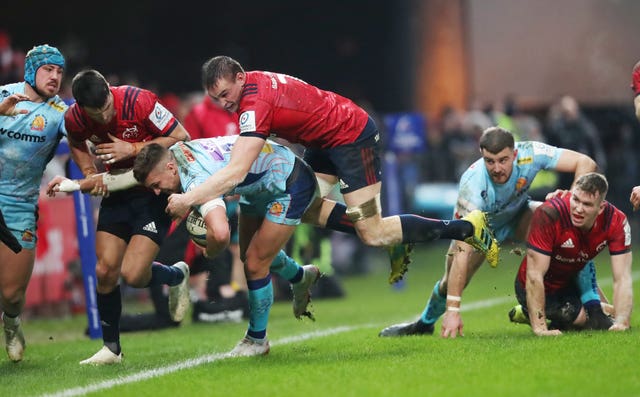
[[525, 160], [541, 149], [601, 246], [247, 121], [568, 244], [276, 209], [160, 116], [22, 137], [39, 123], [130, 133], [627, 232], [150, 227], [28, 235], [58, 106]]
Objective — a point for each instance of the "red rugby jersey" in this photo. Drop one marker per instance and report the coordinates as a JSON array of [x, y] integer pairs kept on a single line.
[[139, 117], [208, 120], [553, 234], [274, 104]]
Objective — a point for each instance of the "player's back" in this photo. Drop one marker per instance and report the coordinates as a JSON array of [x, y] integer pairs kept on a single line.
[[285, 106]]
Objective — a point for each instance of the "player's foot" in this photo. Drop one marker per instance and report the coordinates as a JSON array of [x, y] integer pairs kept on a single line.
[[516, 315], [597, 319], [400, 258], [232, 309], [302, 291], [248, 347], [179, 294], [104, 356], [415, 328], [14, 338], [482, 238]]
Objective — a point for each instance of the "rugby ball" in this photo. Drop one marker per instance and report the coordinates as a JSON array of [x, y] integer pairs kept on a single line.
[[197, 228]]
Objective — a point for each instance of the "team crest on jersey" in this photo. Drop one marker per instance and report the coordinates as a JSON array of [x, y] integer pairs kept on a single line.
[[247, 121], [28, 235], [525, 160], [520, 183], [276, 209], [160, 116], [4, 93], [130, 133], [39, 123]]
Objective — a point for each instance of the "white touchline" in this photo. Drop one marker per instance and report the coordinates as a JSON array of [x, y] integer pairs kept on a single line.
[[209, 358]]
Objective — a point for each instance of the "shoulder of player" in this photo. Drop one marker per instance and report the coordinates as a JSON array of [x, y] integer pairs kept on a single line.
[[75, 119]]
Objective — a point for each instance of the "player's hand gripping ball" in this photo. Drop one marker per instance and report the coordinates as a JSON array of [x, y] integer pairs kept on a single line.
[[197, 228]]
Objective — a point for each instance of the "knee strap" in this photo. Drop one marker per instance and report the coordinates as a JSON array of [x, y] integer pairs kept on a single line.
[[365, 210]]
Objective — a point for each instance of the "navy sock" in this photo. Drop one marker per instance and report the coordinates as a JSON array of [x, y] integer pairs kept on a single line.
[[417, 229], [110, 309], [339, 221], [163, 274]]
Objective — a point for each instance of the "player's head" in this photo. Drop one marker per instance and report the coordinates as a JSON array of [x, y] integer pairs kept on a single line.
[[223, 79], [156, 169], [497, 147], [587, 199], [45, 81], [91, 91]]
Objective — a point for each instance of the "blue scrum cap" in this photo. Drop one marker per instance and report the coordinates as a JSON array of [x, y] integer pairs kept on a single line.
[[38, 56]]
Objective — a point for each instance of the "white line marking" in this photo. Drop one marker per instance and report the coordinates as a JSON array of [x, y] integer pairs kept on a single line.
[[209, 358]]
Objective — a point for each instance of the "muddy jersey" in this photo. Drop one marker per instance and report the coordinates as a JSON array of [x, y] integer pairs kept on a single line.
[[27, 143], [274, 104], [139, 117], [504, 201], [553, 234]]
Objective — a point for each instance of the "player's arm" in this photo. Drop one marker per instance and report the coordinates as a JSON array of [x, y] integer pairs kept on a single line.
[[244, 152], [113, 181], [622, 290], [537, 266], [575, 162], [8, 105], [118, 150], [82, 156], [463, 265], [218, 232]]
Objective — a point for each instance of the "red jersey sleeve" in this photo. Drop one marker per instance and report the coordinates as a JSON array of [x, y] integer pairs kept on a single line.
[[620, 233], [158, 120], [76, 124], [543, 231]]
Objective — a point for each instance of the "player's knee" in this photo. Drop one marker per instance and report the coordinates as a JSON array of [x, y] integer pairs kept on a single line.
[[13, 295], [106, 275]]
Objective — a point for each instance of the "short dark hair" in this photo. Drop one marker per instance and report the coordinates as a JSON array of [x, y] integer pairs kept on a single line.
[[496, 139], [219, 67], [90, 89], [592, 183], [147, 160]]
